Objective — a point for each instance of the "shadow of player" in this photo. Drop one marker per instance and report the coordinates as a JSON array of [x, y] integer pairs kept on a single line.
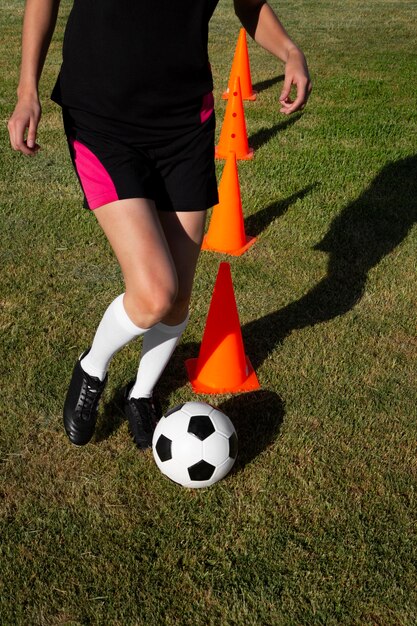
[[360, 236], [363, 233]]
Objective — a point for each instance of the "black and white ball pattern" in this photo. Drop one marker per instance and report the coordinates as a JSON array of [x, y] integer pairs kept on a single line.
[[195, 444]]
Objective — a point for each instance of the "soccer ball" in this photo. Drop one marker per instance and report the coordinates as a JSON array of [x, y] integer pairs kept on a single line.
[[195, 444]]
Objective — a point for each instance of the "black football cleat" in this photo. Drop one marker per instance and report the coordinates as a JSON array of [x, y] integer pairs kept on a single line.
[[143, 414], [81, 404]]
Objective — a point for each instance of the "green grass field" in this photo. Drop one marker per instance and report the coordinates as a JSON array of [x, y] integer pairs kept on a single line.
[[317, 522]]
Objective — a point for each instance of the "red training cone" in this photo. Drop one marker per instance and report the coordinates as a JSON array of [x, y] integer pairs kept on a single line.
[[222, 366]]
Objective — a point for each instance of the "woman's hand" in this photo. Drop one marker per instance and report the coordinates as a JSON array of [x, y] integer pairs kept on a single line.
[[296, 73], [25, 117]]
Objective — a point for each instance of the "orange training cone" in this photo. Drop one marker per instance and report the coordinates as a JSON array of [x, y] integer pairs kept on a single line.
[[241, 68], [226, 232], [222, 366], [233, 135]]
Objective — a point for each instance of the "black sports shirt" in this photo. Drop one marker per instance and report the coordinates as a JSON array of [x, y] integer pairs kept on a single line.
[[134, 60]]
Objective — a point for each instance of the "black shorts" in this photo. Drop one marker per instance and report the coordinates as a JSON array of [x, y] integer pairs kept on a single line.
[[169, 161]]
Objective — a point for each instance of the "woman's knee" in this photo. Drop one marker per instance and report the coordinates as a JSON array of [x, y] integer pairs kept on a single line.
[[179, 309], [148, 307]]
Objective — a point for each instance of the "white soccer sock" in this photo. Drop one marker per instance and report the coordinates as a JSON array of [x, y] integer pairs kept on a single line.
[[158, 345], [115, 330]]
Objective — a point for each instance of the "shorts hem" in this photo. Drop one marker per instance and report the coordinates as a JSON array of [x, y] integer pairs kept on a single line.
[[96, 203]]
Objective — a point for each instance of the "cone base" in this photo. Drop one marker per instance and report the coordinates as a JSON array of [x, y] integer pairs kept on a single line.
[[250, 384], [219, 154], [251, 98], [237, 252]]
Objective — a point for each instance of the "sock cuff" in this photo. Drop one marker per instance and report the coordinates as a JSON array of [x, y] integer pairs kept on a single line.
[[123, 318], [173, 330]]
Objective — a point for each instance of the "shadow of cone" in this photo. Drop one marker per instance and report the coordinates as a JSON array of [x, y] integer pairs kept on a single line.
[[233, 136], [226, 232], [222, 366], [241, 68]]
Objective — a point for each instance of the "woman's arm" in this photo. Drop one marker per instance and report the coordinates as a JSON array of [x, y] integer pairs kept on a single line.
[[264, 27], [38, 27]]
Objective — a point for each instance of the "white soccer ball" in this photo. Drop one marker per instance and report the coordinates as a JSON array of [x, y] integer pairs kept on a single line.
[[195, 444]]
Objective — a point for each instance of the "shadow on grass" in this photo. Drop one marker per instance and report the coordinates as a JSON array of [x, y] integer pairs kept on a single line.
[[257, 417], [261, 137], [259, 221], [263, 85], [110, 418], [363, 233]]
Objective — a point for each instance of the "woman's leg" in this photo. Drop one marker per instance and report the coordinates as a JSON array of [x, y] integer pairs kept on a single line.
[[184, 233], [137, 238], [133, 230]]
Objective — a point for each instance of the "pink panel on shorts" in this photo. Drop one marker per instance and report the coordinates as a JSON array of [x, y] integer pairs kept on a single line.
[[97, 185], [207, 107]]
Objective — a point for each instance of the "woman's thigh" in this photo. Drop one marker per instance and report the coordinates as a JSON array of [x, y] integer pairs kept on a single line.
[[134, 231], [184, 233]]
